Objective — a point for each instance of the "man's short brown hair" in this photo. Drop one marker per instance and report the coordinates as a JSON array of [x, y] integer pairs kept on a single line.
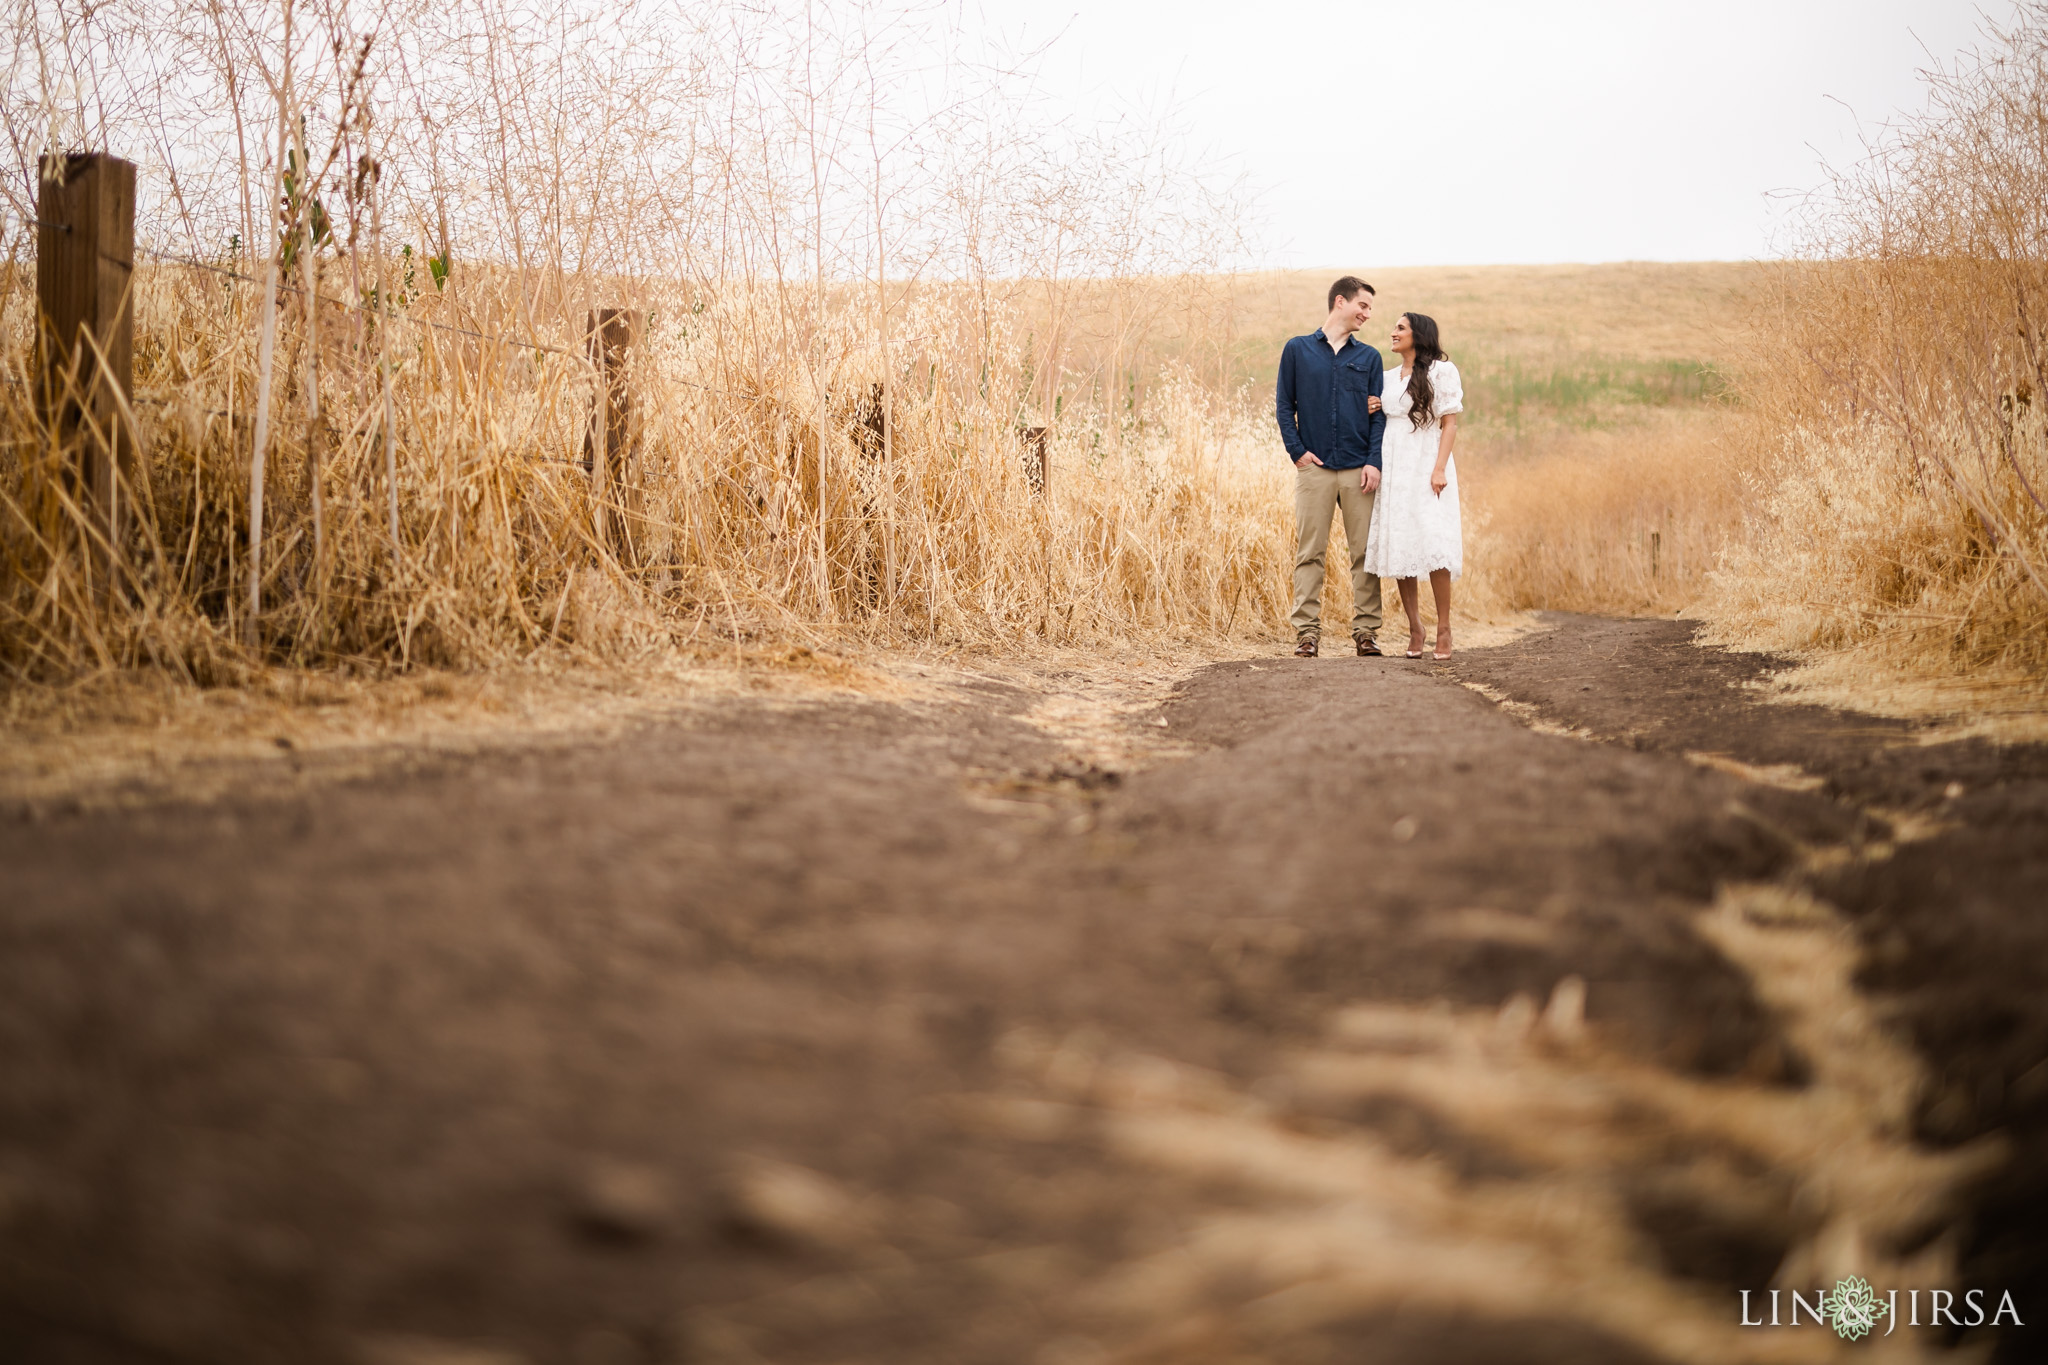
[[1347, 288]]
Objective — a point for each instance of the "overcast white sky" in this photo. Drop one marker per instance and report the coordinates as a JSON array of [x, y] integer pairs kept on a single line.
[[1490, 131]]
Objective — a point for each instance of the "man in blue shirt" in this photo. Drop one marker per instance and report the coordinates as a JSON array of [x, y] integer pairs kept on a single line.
[[1334, 442]]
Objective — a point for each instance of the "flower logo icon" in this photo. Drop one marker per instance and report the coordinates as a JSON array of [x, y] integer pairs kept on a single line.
[[1853, 1308]]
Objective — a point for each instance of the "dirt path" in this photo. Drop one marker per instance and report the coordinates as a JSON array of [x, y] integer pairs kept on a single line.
[[1334, 1004]]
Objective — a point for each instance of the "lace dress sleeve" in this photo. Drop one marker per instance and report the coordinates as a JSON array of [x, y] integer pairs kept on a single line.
[[1450, 389]]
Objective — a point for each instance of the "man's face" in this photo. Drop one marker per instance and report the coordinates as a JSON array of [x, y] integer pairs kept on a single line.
[[1356, 311]]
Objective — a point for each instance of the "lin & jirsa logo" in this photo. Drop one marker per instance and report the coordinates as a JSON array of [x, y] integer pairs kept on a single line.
[[1854, 1309]]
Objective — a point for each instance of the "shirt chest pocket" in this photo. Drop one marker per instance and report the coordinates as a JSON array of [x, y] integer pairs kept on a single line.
[[1354, 380]]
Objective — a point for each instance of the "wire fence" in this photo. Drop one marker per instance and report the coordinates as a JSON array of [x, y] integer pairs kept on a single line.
[[528, 345], [172, 258], [381, 312], [384, 312], [134, 398]]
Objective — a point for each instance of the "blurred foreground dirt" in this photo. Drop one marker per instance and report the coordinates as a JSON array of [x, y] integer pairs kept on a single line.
[[1525, 1009]]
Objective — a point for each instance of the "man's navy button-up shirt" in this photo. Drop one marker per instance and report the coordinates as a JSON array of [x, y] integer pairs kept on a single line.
[[1320, 401]]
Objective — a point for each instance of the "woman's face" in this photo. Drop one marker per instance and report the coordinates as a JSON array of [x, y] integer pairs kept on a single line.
[[1404, 339]]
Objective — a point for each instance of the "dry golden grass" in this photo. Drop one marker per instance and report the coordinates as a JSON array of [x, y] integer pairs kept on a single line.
[[1546, 349], [723, 525], [1903, 487], [1622, 521], [846, 347], [1636, 310]]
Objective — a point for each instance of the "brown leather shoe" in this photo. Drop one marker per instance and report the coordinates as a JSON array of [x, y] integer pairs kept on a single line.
[[1307, 647], [1368, 648]]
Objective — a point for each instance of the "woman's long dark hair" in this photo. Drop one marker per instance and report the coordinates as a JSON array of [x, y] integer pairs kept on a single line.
[[1428, 350]]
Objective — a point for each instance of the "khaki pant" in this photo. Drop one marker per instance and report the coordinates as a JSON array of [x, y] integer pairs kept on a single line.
[[1318, 492]]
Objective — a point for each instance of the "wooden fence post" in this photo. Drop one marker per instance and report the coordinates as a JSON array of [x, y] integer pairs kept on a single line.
[[608, 440], [85, 265], [870, 423], [1037, 467]]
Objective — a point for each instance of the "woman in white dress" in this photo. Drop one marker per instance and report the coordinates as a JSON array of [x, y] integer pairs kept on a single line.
[[1415, 529]]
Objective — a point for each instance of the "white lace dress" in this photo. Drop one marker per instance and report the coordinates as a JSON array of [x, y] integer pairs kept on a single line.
[[1414, 531]]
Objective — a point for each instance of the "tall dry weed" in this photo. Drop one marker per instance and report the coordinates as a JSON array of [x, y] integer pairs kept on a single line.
[[1902, 513], [873, 281]]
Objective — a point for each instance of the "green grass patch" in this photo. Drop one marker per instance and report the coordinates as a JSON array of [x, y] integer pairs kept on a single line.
[[1516, 394]]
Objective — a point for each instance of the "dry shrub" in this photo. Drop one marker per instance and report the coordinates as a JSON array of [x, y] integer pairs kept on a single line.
[[871, 282], [1858, 550], [1624, 521], [1902, 515], [757, 501]]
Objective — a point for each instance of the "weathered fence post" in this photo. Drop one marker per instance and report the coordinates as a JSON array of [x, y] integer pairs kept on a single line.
[[870, 423], [873, 479], [1037, 469], [85, 264], [607, 442]]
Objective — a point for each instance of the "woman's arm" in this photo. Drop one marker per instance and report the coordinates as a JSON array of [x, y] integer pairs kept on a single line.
[[1446, 438]]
